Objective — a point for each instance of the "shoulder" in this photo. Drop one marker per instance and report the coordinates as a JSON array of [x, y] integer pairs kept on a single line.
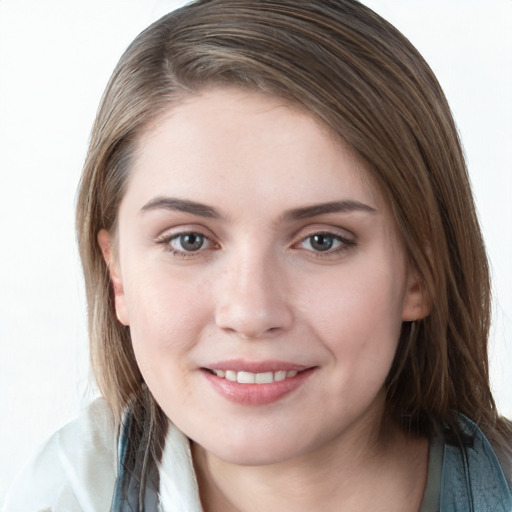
[[74, 470], [472, 476], [498, 455]]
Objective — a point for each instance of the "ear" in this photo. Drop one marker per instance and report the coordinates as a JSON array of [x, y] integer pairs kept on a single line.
[[105, 243], [416, 303]]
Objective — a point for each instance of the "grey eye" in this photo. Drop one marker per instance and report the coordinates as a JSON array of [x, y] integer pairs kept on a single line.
[[321, 242], [188, 242]]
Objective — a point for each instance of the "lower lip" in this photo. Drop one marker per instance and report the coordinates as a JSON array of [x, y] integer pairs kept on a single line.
[[257, 394]]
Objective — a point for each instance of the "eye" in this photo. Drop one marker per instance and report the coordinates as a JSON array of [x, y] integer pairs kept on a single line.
[[322, 242], [189, 242], [327, 243]]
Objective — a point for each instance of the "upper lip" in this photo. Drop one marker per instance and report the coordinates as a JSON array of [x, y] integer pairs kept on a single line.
[[243, 365]]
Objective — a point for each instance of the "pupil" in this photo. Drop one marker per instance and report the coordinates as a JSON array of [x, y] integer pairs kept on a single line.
[[322, 242], [191, 242]]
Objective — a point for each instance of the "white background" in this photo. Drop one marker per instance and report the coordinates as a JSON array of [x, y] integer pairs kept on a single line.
[[55, 59]]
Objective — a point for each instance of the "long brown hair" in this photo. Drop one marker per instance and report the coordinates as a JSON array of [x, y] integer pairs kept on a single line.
[[355, 72]]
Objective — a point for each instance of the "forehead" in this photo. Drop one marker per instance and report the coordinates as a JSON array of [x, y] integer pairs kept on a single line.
[[249, 144]]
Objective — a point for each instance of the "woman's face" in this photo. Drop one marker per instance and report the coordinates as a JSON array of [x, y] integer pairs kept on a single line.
[[260, 273]]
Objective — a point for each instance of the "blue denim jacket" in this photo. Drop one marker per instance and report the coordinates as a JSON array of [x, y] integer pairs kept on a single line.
[[472, 479]]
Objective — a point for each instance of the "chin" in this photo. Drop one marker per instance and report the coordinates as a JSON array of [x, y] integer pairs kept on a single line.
[[257, 449], [255, 456]]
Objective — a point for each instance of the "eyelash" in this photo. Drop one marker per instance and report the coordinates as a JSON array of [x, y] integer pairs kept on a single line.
[[344, 244], [167, 240]]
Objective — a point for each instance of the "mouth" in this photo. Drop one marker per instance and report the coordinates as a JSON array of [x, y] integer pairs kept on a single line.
[[254, 383], [244, 377]]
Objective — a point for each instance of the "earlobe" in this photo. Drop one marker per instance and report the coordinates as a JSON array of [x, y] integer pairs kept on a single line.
[[416, 303], [105, 243]]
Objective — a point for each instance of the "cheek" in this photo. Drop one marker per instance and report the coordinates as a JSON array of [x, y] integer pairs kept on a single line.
[[165, 326], [358, 316], [165, 314], [358, 302]]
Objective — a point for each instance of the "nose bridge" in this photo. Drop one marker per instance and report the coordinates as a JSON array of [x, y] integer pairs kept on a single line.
[[251, 297]]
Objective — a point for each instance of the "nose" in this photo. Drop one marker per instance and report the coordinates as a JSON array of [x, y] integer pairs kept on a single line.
[[251, 298]]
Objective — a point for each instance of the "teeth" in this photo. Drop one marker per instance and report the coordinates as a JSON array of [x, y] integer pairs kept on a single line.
[[246, 378], [230, 375], [255, 378], [281, 375], [264, 378]]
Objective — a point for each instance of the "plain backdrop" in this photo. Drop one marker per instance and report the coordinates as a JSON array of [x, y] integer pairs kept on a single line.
[[55, 59]]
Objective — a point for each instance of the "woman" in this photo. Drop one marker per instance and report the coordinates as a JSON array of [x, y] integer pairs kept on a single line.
[[288, 290]]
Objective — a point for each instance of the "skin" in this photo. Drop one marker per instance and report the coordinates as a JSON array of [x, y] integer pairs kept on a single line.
[[259, 289]]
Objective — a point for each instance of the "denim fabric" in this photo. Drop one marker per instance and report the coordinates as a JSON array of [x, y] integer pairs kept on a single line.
[[136, 487], [472, 479]]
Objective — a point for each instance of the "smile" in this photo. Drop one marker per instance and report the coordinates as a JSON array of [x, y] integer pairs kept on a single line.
[[243, 377], [262, 386]]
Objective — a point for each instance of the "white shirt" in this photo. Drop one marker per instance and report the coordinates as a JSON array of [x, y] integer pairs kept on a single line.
[[76, 470]]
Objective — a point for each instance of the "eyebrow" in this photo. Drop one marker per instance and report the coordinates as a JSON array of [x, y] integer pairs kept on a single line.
[[203, 210], [345, 206], [181, 205]]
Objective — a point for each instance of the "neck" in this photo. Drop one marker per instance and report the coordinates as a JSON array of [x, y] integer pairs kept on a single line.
[[338, 476]]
